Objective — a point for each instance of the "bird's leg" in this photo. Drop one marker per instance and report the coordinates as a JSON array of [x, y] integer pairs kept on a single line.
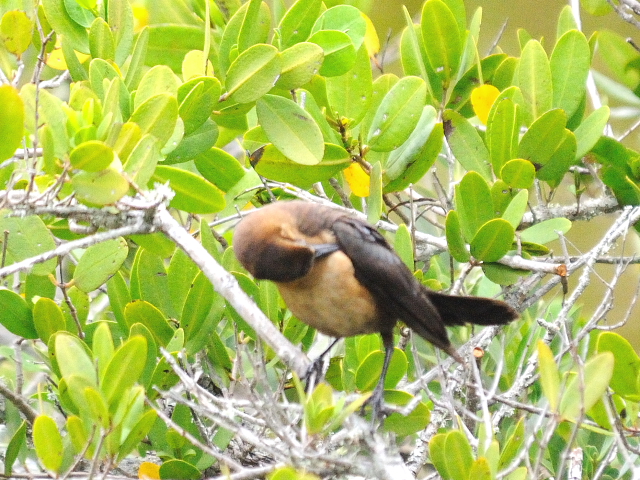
[[377, 398], [314, 372]]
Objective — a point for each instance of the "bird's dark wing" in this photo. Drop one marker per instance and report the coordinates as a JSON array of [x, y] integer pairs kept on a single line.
[[392, 284]]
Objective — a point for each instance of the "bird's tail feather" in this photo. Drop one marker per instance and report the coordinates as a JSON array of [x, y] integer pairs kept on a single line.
[[457, 310]]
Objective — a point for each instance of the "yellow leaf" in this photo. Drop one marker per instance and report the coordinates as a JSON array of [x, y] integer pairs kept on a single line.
[[482, 99], [56, 59], [371, 40], [193, 65], [149, 471], [357, 179], [140, 17]]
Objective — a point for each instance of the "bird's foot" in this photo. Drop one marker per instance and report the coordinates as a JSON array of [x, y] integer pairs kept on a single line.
[[379, 410], [314, 374]]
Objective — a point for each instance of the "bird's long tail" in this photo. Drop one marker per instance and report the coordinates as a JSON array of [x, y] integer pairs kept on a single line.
[[457, 310]]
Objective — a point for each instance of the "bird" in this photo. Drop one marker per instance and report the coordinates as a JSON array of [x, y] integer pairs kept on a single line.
[[339, 275]]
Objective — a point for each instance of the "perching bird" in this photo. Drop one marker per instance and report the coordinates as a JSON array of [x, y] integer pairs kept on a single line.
[[337, 274]]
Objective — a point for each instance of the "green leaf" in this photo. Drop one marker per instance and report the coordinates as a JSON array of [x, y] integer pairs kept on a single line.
[[493, 240], [16, 315], [535, 81], [441, 37], [119, 296], [124, 370], [401, 425], [455, 241], [459, 457], [473, 204], [300, 63], [296, 25], [48, 443], [375, 204], [143, 160], [543, 138], [94, 406], [501, 274], [590, 130], [137, 434], [197, 98], [626, 369], [549, 375], [135, 71], [47, 318], [516, 208], [404, 246], [193, 193], [438, 454], [11, 121], [199, 141], [73, 358], [560, 161], [275, 166], [220, 168], [596, 7], [101, 42], [143, 312], [513, 444], [518, 173], [503, 131], [17, 443], [466, 144], [196, 308], [16, 29], [349, 95], [545, 231], [158, 116], [102, 346], [339, 52], [580, 395], [346, 19], [397, 115], [91, 156], [291, 129], [175, 469], [253, 73], [169, 43], [480, 469], [369, 370], [99, 262], [62, 24], [569, 63], [28, 237], [120, 19], [158, 80], [255, 25]]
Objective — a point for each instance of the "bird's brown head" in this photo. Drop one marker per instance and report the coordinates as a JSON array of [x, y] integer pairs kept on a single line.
[[268, 244]]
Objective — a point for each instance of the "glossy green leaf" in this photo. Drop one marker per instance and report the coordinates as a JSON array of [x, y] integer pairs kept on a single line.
[[375, 204], [369, 370], [560, 161], [518, 173], [397, 115], [401, 425], [516, 208], [62, 23], [582, 392], [11, 121], [199, 141], [438, 454], [513, 444], [459, 457], [291, 129], [99, 262], [17, 443], [590, 130], [176, 469], [120, 20], [193, 193], [339, 52], [543, 137], [255, 25], [501, 274], [150, 273], [569, 63], [82, 12], [455, 241], [91, 156], [493, 240], [300, 63], [47, 318], [102, 347], [16, 315], [135, 71], [101, 42], [535, 82], [27, 237], [545, 231], [157, 80], [143, 312], [16, 29], [197, 307], [80, 302], [169, 43], [503, 131], [466, 144], [99, 70], [197, 98], [48, 442], [119, 297], [626, 369], [473, 204], [349, 95], [253, 73], [220, 168], [163, 377], [157, 116], [137, 433], [73, 358], [296, 25], [124, 369], [549, 375], [94, 406], [404, 246], [275, 166], [441, 37], [343, 18]]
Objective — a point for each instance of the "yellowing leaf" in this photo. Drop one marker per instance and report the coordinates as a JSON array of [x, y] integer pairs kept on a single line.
[[56, 59], [140, 18], [371, 40], [357, 179], [482, 99], [148, 471]]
